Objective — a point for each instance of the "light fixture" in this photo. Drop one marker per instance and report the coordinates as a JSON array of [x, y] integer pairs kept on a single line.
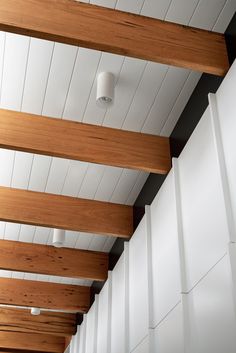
[[105, 89], [35, 311], [58, 239]]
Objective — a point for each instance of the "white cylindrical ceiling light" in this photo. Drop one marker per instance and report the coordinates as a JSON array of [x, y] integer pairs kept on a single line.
[[35, 311], [105, 89], [58, 238]]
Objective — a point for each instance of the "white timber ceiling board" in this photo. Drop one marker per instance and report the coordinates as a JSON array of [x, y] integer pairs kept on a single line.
[[134, 6], [180, 102], [206, 13], [145, 96], [106, 3], [59, 80], [12, 231], [85, 69], [225, 16], [175, 11], [62, 66], [39, 172], [130, 76], [154, 8], [37, 75], [91, 181], [165, 99]]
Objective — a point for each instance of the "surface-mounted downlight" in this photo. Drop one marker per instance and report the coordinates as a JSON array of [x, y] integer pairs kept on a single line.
[[58, 238], [105, 89]]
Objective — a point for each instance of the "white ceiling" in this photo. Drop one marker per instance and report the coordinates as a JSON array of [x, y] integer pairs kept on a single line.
[[58, 80]]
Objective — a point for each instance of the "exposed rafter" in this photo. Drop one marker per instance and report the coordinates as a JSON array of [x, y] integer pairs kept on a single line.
[[48, 260], [117, 32], [46, 295], [90, 143], [65, 212], [48, 322]]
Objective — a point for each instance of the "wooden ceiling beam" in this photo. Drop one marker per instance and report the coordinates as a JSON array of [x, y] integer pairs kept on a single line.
[[84, 142], [117, 32], [48, 322], [46, 295], [48, 260], [64, 212], [31, 342]]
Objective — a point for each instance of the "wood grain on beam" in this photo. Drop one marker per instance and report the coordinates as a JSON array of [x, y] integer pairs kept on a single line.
[[44, 295], [48, 260], [48, 322], [117, 32], [90, 143], [31, 341], [65, 212]]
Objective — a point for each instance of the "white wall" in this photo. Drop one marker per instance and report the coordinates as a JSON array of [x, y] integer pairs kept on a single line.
[[174, 288]]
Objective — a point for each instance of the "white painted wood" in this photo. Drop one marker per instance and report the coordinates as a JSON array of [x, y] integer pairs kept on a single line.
[[81, 83], [13, 77], [82, 335], [181, 11], [103, 341], [180, 103], [164, 252], [92, 180], [143, 347], [133, 6], [222, 165], [225, 16], [62, 66], [37, 75], [74, 178], [144, 97], [39, 173], [205, 229], [226, 113], [212, 311], [21, 171], [128, 81], [12, 231], [57, 174], [169, 335], [165, 100], [124, 186], [156, 9], [91, 328], [206, 13], [138, 286], [118, 322]]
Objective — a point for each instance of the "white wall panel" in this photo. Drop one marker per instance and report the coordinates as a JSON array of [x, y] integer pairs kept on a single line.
[[82, 337], [168, 337], [226, 114], [164, 252], [119, 324], [212, 311], [91, 328], [138, 286], [143, 347], [204, 221], [104, 318]]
